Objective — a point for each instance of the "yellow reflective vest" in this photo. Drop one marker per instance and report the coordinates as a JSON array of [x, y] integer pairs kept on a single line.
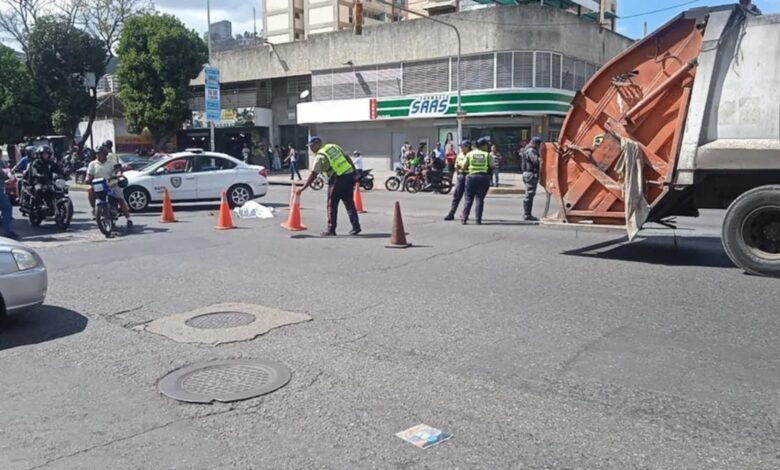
[[478, 161], [339, 164]]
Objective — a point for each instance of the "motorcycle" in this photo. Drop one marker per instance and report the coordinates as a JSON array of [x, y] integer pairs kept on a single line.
[[396, 182], [40, 201], [366, 180], [428, 181], [107, 207]]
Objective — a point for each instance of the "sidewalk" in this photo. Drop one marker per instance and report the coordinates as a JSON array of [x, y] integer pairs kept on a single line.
[[511, 183]]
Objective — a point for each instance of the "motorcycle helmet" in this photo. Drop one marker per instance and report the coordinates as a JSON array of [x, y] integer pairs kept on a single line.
[[43, 149], [122, 182], [109, 145], [30, 151]]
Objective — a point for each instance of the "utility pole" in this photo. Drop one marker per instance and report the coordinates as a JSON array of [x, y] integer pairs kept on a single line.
[[208, 18], [460, 115]]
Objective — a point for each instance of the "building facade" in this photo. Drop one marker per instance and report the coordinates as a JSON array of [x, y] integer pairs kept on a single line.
[[519, 70]]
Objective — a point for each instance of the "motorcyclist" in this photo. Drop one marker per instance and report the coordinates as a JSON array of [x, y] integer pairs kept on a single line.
[[107, 167], [42, 172]]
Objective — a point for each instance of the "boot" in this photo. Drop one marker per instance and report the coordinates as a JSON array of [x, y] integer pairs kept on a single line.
[[527, 206]]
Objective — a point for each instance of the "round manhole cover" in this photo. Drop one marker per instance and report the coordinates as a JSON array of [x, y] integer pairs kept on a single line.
[[225, 381], [219, 320]]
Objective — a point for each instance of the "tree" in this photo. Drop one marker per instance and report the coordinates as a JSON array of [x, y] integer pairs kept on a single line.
[[18, 17], [105, 19], [158, 57], [60, 57], [20, 114]]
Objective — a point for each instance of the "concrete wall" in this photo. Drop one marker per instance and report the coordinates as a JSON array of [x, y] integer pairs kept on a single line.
[[488, 29]]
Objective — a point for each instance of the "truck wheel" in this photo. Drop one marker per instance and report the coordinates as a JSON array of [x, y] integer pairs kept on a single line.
[[751, 231]]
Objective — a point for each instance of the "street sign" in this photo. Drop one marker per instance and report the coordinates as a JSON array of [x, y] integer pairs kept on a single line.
[[213, 104]]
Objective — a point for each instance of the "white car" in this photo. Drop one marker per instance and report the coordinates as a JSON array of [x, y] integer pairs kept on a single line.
[[195, 175]]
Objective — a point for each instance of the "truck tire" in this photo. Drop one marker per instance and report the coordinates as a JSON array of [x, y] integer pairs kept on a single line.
[[751, 231]]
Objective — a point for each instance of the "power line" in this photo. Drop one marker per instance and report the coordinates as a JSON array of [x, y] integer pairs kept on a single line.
[[659, 10]]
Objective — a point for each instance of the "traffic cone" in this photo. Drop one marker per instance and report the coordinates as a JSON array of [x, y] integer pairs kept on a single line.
[[293, 223], [292, 195], [167, 209], [358, 200], [225, 219], [398, 236]]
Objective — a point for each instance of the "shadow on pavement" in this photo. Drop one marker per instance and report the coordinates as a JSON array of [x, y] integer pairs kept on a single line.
[[664, 250], [47, 231], [368, 236], [40, 325]]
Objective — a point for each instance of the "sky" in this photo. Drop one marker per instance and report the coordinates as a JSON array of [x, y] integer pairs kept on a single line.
[[193, 12]]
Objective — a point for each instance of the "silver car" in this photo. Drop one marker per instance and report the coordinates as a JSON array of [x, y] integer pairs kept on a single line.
[[23, 279]]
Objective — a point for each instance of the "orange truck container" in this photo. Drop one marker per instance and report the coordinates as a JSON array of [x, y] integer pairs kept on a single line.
[[687, 118]]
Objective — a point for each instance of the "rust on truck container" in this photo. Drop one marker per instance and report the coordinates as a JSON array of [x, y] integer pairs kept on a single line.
[[641, 95]]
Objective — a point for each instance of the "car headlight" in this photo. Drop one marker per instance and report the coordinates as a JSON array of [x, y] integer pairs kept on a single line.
[[24, 259]]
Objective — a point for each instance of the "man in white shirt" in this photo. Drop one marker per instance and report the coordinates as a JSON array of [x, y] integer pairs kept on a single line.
[[105, 166], [357, 159]]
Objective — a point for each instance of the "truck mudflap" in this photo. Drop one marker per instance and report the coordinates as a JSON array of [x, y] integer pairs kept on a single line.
[[619, 142]]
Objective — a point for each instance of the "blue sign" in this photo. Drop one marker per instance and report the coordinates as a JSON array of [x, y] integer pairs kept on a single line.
[[212, 75], [213, 104]]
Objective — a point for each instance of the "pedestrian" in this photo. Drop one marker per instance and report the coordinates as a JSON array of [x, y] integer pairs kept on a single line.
[[342, 176], [276, 163], [530, 163], [292, 157], [357, 159], [246, 153], [479, 166], [6, 209], [459, 166], [496, 157], [439, 151]]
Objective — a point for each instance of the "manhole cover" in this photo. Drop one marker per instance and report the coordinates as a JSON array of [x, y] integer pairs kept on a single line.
[[218, 320], [224, 381]]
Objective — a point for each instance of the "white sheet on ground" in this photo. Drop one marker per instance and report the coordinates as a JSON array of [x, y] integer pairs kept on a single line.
[[253, 210], [630, 167]]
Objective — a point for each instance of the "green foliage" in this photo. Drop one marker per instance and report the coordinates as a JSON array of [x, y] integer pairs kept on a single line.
[[20, 112], [158, 58], [60, 57]]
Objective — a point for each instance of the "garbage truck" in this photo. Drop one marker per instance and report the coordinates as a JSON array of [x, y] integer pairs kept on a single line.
[[687, 118]]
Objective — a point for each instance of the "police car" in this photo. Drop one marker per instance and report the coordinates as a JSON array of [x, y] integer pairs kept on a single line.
[[193, 176]]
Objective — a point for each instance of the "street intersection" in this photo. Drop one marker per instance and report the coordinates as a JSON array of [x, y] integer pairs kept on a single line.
[[534, 346]]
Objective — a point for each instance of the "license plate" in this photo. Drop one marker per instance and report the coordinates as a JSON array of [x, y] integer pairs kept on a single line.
[[98, 188]]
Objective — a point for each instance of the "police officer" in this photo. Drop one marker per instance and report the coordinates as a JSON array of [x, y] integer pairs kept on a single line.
[[530, 162], [333, 161], [479, 168], [460, 178]]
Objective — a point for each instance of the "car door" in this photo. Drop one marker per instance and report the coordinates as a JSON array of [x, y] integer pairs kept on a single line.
[[178, 176], [215, 175]]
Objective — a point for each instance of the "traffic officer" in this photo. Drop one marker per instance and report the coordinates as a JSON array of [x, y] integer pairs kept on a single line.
[[460, 178], [479, 168], [530, 163], [333, 161]]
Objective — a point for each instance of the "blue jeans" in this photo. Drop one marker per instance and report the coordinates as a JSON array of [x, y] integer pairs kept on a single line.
[[294, 170], [7, 211]]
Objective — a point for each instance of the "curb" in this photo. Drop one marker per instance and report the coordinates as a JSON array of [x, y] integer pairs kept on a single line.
[[383, 189]]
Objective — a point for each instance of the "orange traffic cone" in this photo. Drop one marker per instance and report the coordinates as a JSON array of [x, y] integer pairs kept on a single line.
[[398, 236], [293, 223], [225, 219], [358, 200], [167, 209], [292, 195]]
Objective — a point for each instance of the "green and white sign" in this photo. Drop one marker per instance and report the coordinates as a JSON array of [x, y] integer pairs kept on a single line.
[[478, 104]]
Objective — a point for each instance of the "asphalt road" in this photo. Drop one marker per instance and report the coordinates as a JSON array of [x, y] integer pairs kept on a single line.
[[535, 347]]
